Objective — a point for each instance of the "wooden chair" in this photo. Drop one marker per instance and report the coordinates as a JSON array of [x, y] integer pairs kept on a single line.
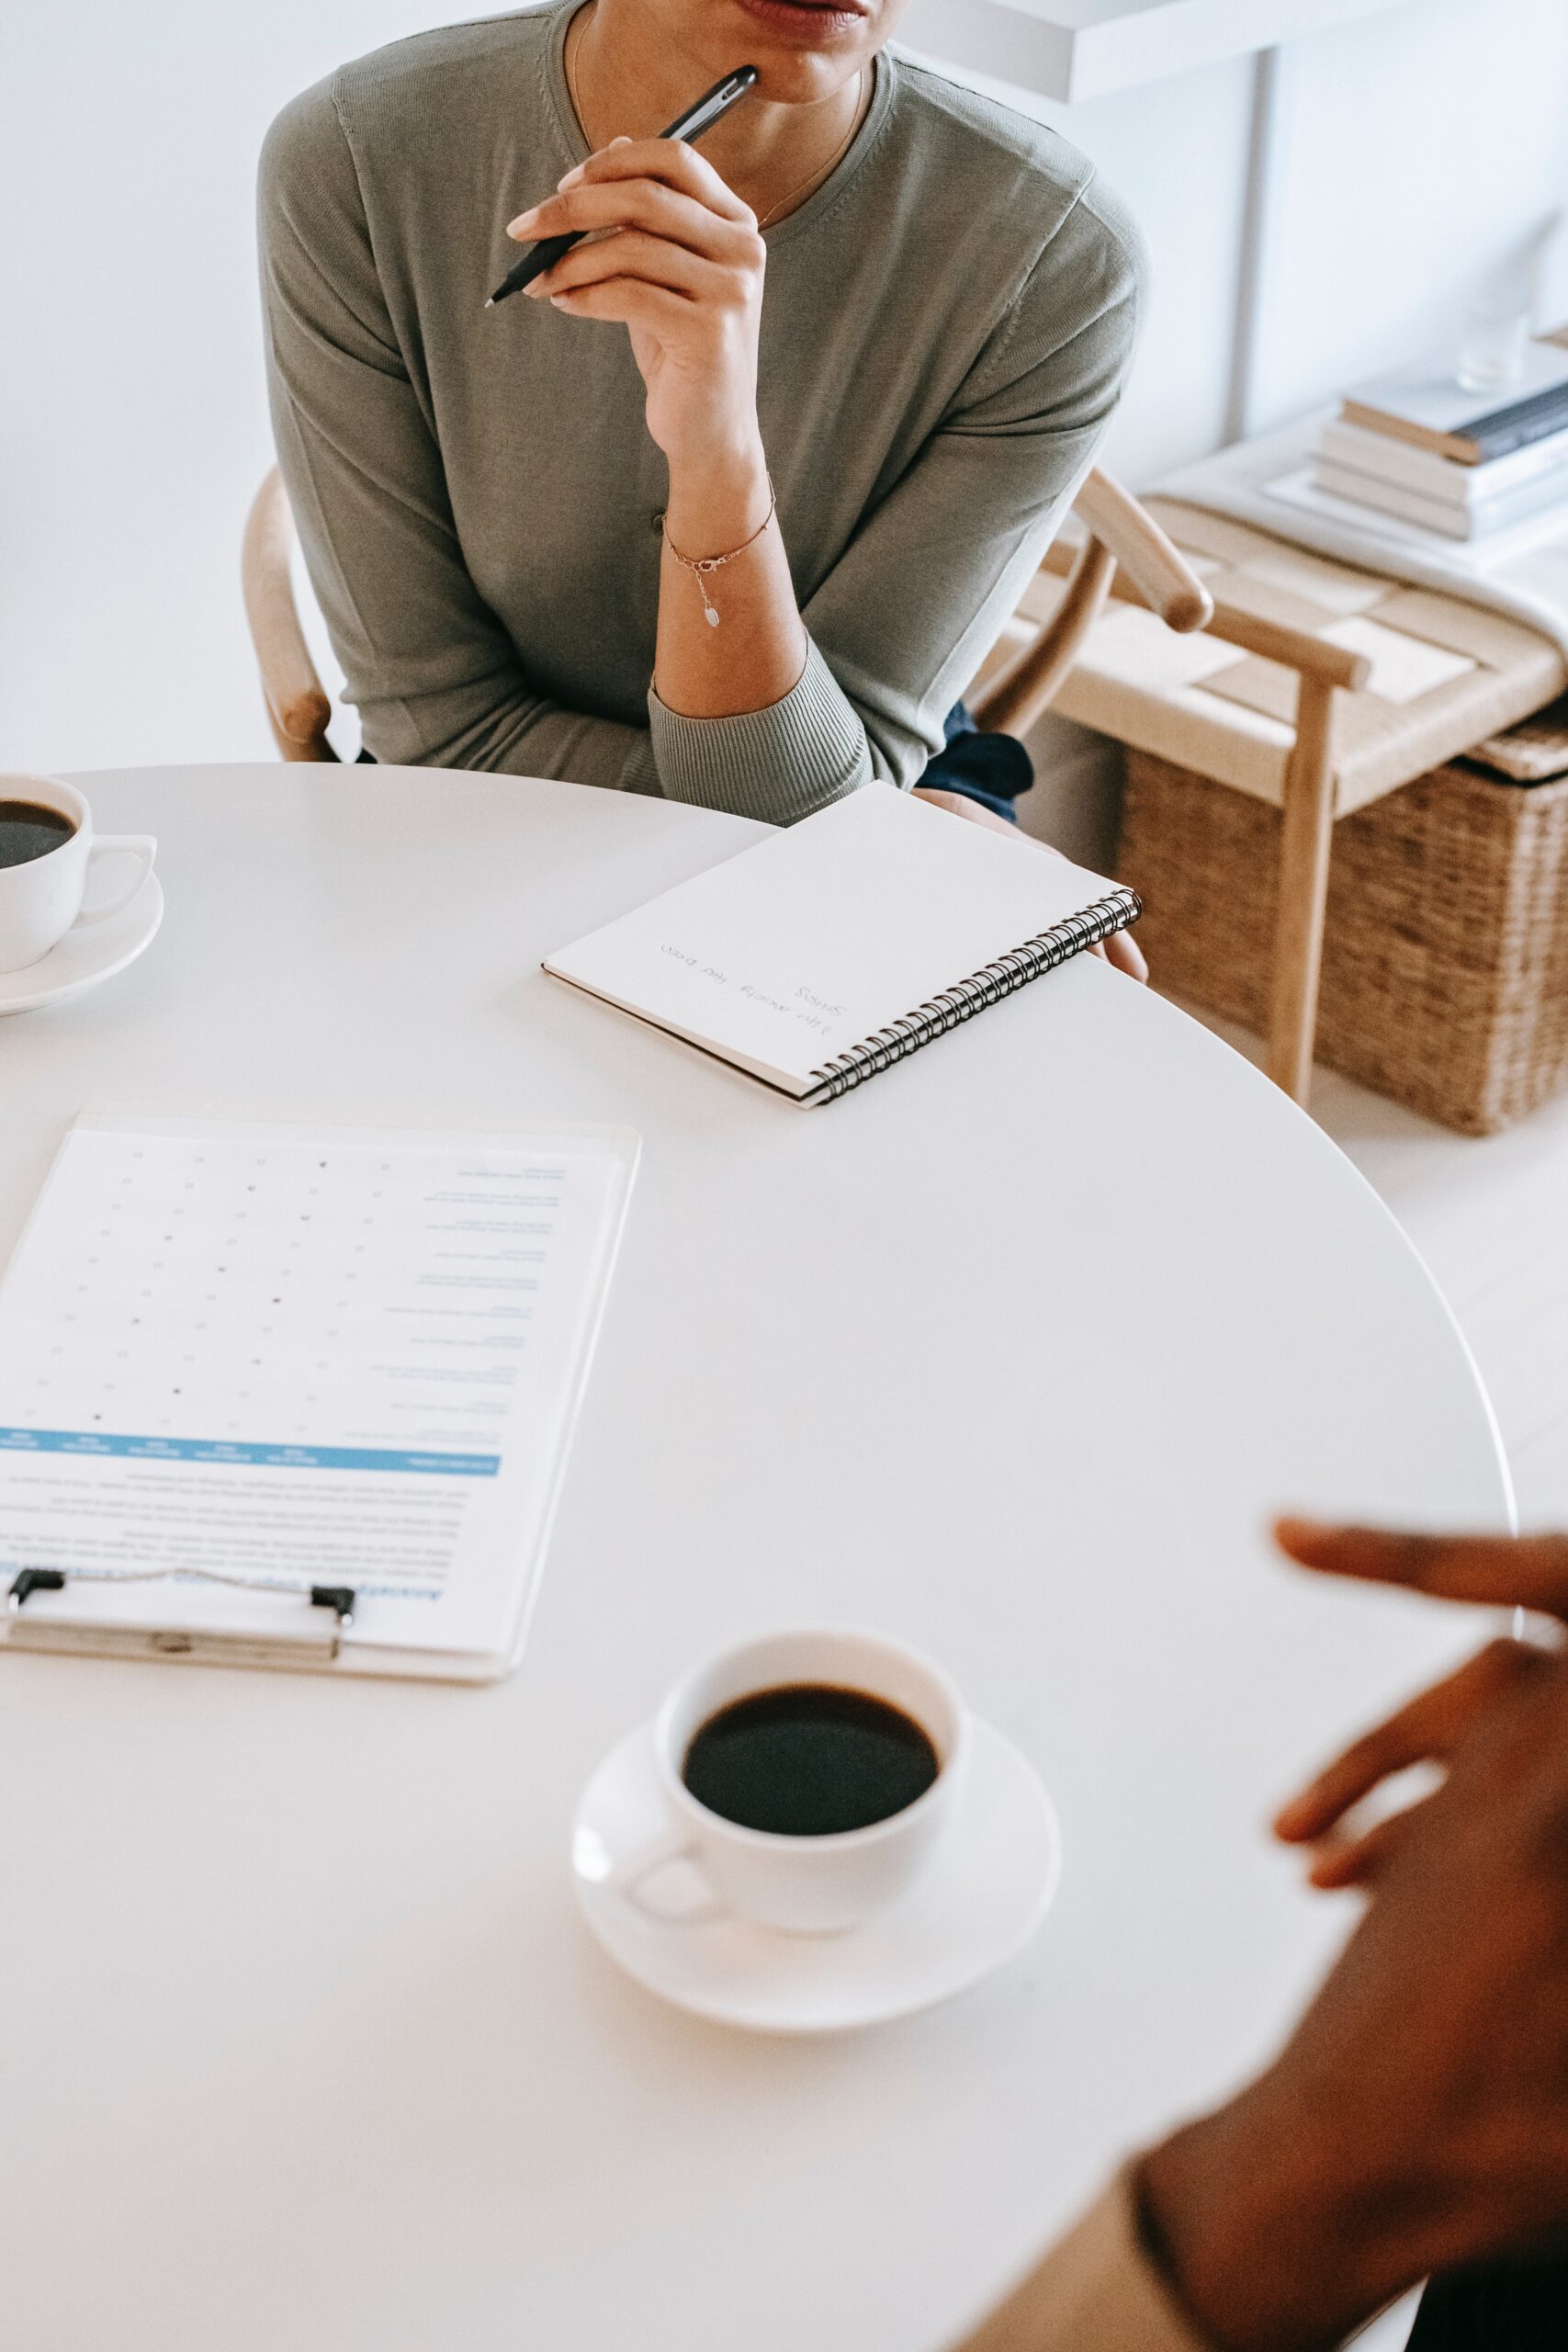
[[1126, 554], [1122, 552], [299, 708]]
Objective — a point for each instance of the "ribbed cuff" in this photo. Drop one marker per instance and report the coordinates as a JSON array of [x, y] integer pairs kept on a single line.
[[777, 765]]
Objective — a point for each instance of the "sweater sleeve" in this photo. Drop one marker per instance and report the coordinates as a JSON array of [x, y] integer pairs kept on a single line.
[[901, 625], [1095, 2291], [437, 678]]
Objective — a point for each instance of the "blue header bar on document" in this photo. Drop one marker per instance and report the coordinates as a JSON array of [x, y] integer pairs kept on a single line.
[[249, 1456]]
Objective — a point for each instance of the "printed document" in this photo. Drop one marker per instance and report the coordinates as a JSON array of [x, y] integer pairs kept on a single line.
[[295, 1357]]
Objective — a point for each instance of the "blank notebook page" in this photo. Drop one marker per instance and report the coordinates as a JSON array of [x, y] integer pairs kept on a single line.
[[810, 942]]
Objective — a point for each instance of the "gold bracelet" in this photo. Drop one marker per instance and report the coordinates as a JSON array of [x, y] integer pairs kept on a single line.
[[699, 564]]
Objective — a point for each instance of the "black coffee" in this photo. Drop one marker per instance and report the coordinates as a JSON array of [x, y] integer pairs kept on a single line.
[[28, 830], [808, 1759]]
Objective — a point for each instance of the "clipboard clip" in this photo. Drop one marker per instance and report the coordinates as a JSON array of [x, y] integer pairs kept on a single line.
[[315, 1645]]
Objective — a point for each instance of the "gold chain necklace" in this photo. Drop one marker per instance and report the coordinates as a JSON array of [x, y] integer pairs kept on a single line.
[[566, 60], [828, 169]]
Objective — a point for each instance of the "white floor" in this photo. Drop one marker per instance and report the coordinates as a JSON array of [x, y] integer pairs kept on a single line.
[[1490, 1216]]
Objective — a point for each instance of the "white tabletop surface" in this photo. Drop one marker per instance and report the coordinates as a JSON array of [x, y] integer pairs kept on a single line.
[[1008, 1353]]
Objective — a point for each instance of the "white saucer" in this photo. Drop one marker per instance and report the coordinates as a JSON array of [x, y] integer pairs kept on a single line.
[[91, 953], [982, 1896]]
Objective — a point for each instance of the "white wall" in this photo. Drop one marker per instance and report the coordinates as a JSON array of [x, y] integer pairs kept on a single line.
[[132, 412], [1414, 152], [1416, 149]]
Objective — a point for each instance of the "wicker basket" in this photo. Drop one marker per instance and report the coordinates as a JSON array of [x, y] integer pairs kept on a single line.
[[1445, 963]]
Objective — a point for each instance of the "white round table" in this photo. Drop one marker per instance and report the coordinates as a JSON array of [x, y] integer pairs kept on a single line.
[[1009, 1353]]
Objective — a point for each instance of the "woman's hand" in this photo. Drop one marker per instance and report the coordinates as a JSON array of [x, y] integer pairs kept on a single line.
[[1529, 1573], [1119, 950], [676, 258]]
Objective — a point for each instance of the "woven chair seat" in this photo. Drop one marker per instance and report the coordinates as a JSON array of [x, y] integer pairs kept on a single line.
[[1445, 673]]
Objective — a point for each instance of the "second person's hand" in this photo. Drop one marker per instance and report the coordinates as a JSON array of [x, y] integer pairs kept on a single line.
[[1528, 1572], [1417, 2118]]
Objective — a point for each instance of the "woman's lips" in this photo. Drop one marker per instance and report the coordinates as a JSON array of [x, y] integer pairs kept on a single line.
[[803, 16]]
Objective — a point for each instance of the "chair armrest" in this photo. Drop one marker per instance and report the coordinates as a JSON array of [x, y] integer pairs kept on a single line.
[[296, 702], [1023, 687], [1165, 578], [1295, 649]]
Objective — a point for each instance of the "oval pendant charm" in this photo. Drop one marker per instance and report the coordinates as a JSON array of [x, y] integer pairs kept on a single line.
[[711, 617]]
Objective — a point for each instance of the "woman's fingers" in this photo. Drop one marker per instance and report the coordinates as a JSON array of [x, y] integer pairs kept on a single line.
[[1508, 1571], [653, 231], [670, 159], [631, 253], [1123, 955], [1428, 1729], [628, 301], [666, 212]]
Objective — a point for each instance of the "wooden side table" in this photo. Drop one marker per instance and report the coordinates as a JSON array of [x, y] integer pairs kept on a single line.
[[1316, 686]]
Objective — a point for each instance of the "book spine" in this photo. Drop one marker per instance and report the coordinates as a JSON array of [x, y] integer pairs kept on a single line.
[[1524, 402], [1466, 445], [1453, 522], [1517, 428], [986, 987], [1423, 470], [1387, 498]]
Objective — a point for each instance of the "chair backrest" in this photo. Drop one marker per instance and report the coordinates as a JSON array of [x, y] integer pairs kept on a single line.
[[297, 706], [1119, 532]]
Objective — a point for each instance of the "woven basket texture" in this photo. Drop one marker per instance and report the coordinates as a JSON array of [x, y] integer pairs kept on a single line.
[[1445, 962]]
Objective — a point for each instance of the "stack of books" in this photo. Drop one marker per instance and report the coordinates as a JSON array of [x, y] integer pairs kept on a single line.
[[1464, 464]]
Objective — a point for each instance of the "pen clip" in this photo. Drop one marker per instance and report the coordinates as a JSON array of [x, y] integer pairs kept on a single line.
[[711, 105]]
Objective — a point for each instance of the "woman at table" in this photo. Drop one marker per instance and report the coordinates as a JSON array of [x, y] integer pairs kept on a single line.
[[501, 509]]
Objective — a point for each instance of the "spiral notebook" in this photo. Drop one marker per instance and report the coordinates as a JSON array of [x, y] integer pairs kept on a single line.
[[833, 949]]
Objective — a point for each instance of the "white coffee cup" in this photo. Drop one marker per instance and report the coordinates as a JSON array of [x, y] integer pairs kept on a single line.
[[809, 1885], [42, 900]]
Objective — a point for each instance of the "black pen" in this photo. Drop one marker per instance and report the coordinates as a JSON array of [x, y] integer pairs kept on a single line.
[[690, 125]]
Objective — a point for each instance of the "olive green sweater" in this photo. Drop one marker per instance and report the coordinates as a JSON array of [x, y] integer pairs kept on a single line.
[[946, 324]]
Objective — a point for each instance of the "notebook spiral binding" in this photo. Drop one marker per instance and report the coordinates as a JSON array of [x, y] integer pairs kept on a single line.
[[988, 986]]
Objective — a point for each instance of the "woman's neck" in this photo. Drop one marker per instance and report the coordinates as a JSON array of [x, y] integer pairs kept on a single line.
[[627, 79]]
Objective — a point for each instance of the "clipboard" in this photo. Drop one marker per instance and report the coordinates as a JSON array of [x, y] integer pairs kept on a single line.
[[298, 1398], [317, 1643]]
